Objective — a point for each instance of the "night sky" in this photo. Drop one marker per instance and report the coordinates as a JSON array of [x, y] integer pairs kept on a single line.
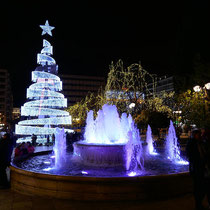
[[88, 36]]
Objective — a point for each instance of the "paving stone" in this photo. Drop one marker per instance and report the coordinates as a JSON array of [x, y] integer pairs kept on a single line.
[[15, 201]]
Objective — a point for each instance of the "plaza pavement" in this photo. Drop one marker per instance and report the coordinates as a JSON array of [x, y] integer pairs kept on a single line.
[[10, 200]]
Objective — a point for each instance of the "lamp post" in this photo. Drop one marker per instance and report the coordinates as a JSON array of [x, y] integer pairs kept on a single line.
[[204, 89], [197, 88], [131, 107], [207, 86]]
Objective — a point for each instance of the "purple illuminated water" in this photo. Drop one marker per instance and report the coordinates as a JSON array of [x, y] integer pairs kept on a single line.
[[153, 165], [172, 149], [109, 129], [60, 148], [149, 140], [108, 139]]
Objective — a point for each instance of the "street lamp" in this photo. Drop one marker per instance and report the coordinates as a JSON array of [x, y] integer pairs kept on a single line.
[[207, 86], [132, 105], [197, 88], [204, 90]]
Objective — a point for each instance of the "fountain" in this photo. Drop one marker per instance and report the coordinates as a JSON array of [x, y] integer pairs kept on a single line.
[[110, 141], [60, 148], [172, 149], [149, 140], [108, 164]]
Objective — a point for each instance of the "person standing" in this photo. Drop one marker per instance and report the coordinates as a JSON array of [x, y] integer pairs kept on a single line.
[[48, 140], [206, 155], [33, 138], [196, 167], [53, 138], [6, 148]]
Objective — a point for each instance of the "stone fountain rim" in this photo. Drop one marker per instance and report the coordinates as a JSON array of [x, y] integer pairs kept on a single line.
[[85, 143], [99, 188], [89, 178]]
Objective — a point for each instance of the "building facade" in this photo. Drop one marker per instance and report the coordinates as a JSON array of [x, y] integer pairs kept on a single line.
[[162, 84], [76, 87], [16, 113], [6, 100], [165, 84]]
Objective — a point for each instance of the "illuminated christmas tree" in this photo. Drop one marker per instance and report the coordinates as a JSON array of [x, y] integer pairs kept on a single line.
[[43, 111]]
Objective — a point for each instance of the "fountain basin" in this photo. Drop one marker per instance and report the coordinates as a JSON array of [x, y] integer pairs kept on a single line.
[[100, 155], [100, 188]]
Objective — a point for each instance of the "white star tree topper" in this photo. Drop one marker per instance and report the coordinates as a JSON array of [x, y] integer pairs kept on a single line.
[[47, 28]]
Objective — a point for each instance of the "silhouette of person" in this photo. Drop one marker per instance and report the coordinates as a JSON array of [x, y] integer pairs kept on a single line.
[[6, 147], [196, 167]]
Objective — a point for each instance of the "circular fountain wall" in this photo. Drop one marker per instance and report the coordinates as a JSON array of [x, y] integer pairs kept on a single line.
[[88, 183], [107, 166]]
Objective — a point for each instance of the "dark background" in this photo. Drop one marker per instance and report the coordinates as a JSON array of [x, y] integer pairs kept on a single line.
[[166, 38]]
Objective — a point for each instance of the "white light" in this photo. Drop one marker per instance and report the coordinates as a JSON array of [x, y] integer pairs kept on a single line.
[[132, 173], [182, 162], [197, 88], [40, 139], [29, 130], [43, 75], [207, 86], [55, 85], [177, 112], [132, 105], [47, 169], [43, 59], [61, 102], [48, 121], [47, 50], [154, 153], [47, 162], [44, 108], [42, 93], [46, 43], [84, 172], [36, 111], [47, 28], [113, 94]]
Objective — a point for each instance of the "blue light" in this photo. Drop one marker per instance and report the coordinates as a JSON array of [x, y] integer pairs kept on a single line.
[[43, 75], [29, 130], [61, 103], [47, 162], [49, 84], [45, 59], [42, 93], [49, 121], [48, 49], [47, 169], [132, 173], [113, 94], [36, 111], [84, 172], [182, 162], [47, 28]]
